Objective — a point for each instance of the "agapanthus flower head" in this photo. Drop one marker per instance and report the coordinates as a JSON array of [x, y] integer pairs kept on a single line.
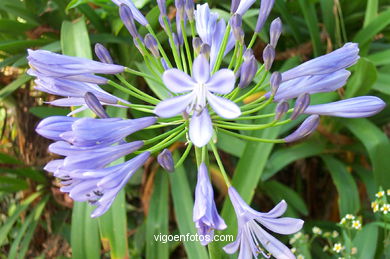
[[200, 90], [205, 214], [252, 238], [44, 63]]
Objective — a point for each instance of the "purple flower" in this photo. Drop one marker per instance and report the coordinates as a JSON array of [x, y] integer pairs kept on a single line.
[[127, 18], [138, 16], [94, 104], [88, 132], [199, 91], [357, 107], [165, 160], [205, 214], [75, 92], [265, 10], [341, 58], [87, 158], [52, 127], [311, 85], [275, 31], [44, 63], [251, 234], [212, 31], [103, 54], [244, 6], [308, 126], [100, 186]]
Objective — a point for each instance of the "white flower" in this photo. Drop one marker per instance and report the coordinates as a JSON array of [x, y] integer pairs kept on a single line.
[[385, 208], [380, 194], [356, 224], [338, 247]]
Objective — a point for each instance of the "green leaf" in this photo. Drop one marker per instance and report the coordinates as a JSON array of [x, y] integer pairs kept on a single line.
[[382, 84], [376, 25], [10, 88], [157, 220], [380, 58], [285, 156], [14, 27], [309, 12], [377, 145], [345, 185], [280, 191], [75, 39], [44, 111], [363, 78], [7, 159], [183, 206], [26, 230], [7, 225], [12, 184], [84, 232], [15, 46], [366, 240], [371, 12]]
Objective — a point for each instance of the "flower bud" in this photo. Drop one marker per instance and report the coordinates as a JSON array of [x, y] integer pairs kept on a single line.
[[162, 6], [161, 21], [265, 9], [307, 127], [94, 104], [165, 160], [176, 40], [268, 57], [128, 20], [234, 6], [275, 31], [151, 43], [275, 81], [301, 104], [189, 7], [136, 43], [281, 109], [248, 72], [103, 54], [236, 24], [248, 54], [205, 50], [197, 44], [180, 9], [164, 64]]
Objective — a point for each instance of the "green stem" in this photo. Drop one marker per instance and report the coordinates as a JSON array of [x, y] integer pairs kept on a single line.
[[239, 60], [258, 108], [166, 142], [162, 125], [161, 136], [151, 99], [252, 138], [175, 51], [128, 91], [253, 40], [193, 31], [240, 126], [187, 45], [220, 164], [184, 61], [184, 156], [198, 156], [234, 56], [222, 49], [138, 73]]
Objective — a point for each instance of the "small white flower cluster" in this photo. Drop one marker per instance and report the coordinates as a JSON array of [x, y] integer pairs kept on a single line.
[[351, 222], [381, 204]]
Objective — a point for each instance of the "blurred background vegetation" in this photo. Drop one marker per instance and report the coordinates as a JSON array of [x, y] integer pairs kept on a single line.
[[336, 171]]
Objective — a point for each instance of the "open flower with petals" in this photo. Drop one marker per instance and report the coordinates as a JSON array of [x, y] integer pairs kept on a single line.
[[251, 235], [205, 214], [200, 90]]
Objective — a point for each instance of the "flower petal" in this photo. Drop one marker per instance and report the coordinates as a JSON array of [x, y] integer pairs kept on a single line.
[[201, 129], [173, 106], [223, 107], [177, 81], [233, 247], [201, 69], [285, 226], [222, 82]]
